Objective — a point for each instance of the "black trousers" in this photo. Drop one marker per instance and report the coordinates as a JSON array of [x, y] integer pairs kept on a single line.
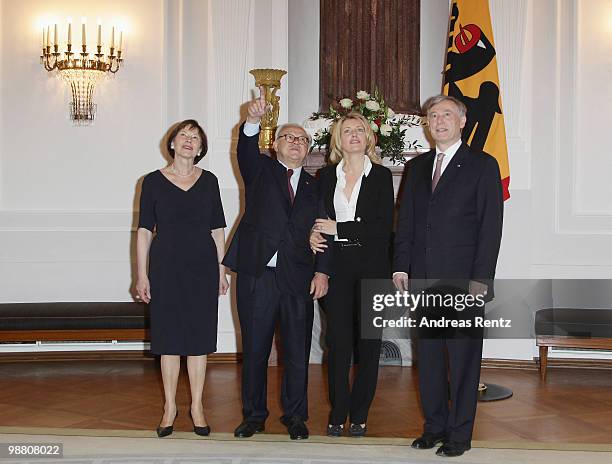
[[342, 309], [260, 306], [460, 360]]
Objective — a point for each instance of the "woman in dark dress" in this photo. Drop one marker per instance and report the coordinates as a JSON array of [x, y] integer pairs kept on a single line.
[[182, 205], [356, 192]]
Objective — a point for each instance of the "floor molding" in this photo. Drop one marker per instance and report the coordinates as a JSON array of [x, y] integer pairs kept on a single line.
[[270, 437], [578, 363], [534, 364], [127, 355], [520, 364], [233, 358]]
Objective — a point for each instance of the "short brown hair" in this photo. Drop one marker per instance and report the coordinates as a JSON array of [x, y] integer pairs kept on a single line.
[[335, 144], [188, 123], [432, 101]]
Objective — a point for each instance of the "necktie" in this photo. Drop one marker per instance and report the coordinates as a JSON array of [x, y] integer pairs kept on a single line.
[[289, 186], [437, 172]]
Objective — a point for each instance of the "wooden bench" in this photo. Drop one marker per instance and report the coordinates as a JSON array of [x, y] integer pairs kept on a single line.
[[572, 328], [32, 322], [80, 322]]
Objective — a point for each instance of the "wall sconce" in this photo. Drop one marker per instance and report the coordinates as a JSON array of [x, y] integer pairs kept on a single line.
[[81, 71]]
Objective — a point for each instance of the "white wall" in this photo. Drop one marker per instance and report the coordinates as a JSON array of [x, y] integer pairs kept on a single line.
[[555, 62], [67, 193], [303, 71], [434, 29]]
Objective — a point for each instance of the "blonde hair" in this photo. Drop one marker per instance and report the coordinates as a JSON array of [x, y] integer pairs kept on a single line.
[[335, 145]]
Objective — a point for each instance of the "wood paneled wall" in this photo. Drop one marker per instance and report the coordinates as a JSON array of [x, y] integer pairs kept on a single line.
[[370, 43]]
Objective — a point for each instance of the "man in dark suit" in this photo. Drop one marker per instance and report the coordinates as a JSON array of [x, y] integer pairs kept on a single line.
[[270, 253], [449, 227]]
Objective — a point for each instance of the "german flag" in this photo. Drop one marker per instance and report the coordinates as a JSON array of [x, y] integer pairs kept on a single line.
[[471, 76]]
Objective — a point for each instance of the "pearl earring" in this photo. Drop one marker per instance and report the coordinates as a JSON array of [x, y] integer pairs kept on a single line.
[[172, 146]]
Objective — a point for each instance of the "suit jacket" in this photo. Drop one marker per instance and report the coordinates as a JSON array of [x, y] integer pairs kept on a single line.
[[454, 233], [373, 224], [270, 222]]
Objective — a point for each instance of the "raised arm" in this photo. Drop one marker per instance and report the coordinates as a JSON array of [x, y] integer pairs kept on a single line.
[[249, 157]]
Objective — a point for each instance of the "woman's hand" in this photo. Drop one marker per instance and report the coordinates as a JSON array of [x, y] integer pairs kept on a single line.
[[143, 289], [223, 282], [325, 226], [317, 242]]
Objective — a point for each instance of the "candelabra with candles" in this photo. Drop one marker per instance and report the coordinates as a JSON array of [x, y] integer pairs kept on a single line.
[[81, 71]]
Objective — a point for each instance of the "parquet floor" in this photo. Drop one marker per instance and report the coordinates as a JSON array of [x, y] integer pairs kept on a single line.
[[573, 406]]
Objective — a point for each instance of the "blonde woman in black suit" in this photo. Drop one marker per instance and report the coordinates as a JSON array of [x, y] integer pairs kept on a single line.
[[352, 233]]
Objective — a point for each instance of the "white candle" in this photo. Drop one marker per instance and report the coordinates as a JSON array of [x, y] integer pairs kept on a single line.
[[113, 37], [54, 35], [83, 33], [121, 41], [99, 33], [44, 39], [69, 31]]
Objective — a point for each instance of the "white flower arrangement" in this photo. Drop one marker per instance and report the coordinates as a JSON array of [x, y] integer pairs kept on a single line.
[[346, 103], [390, 129], [372, 105], [385, 130]]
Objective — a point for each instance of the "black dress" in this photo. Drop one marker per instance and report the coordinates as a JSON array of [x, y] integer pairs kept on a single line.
[[183, 263]]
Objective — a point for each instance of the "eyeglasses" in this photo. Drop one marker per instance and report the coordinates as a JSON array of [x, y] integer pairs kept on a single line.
[[290, 138]]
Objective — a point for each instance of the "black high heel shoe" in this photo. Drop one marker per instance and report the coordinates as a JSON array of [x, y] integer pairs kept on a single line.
[[165, 431], [201, 431]]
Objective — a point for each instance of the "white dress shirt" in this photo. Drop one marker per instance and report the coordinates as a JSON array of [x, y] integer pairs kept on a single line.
[[250, 129], [345, 207], [253, 129]]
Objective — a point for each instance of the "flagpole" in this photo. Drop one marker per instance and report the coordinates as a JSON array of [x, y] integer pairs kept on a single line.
[[473, 79]]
